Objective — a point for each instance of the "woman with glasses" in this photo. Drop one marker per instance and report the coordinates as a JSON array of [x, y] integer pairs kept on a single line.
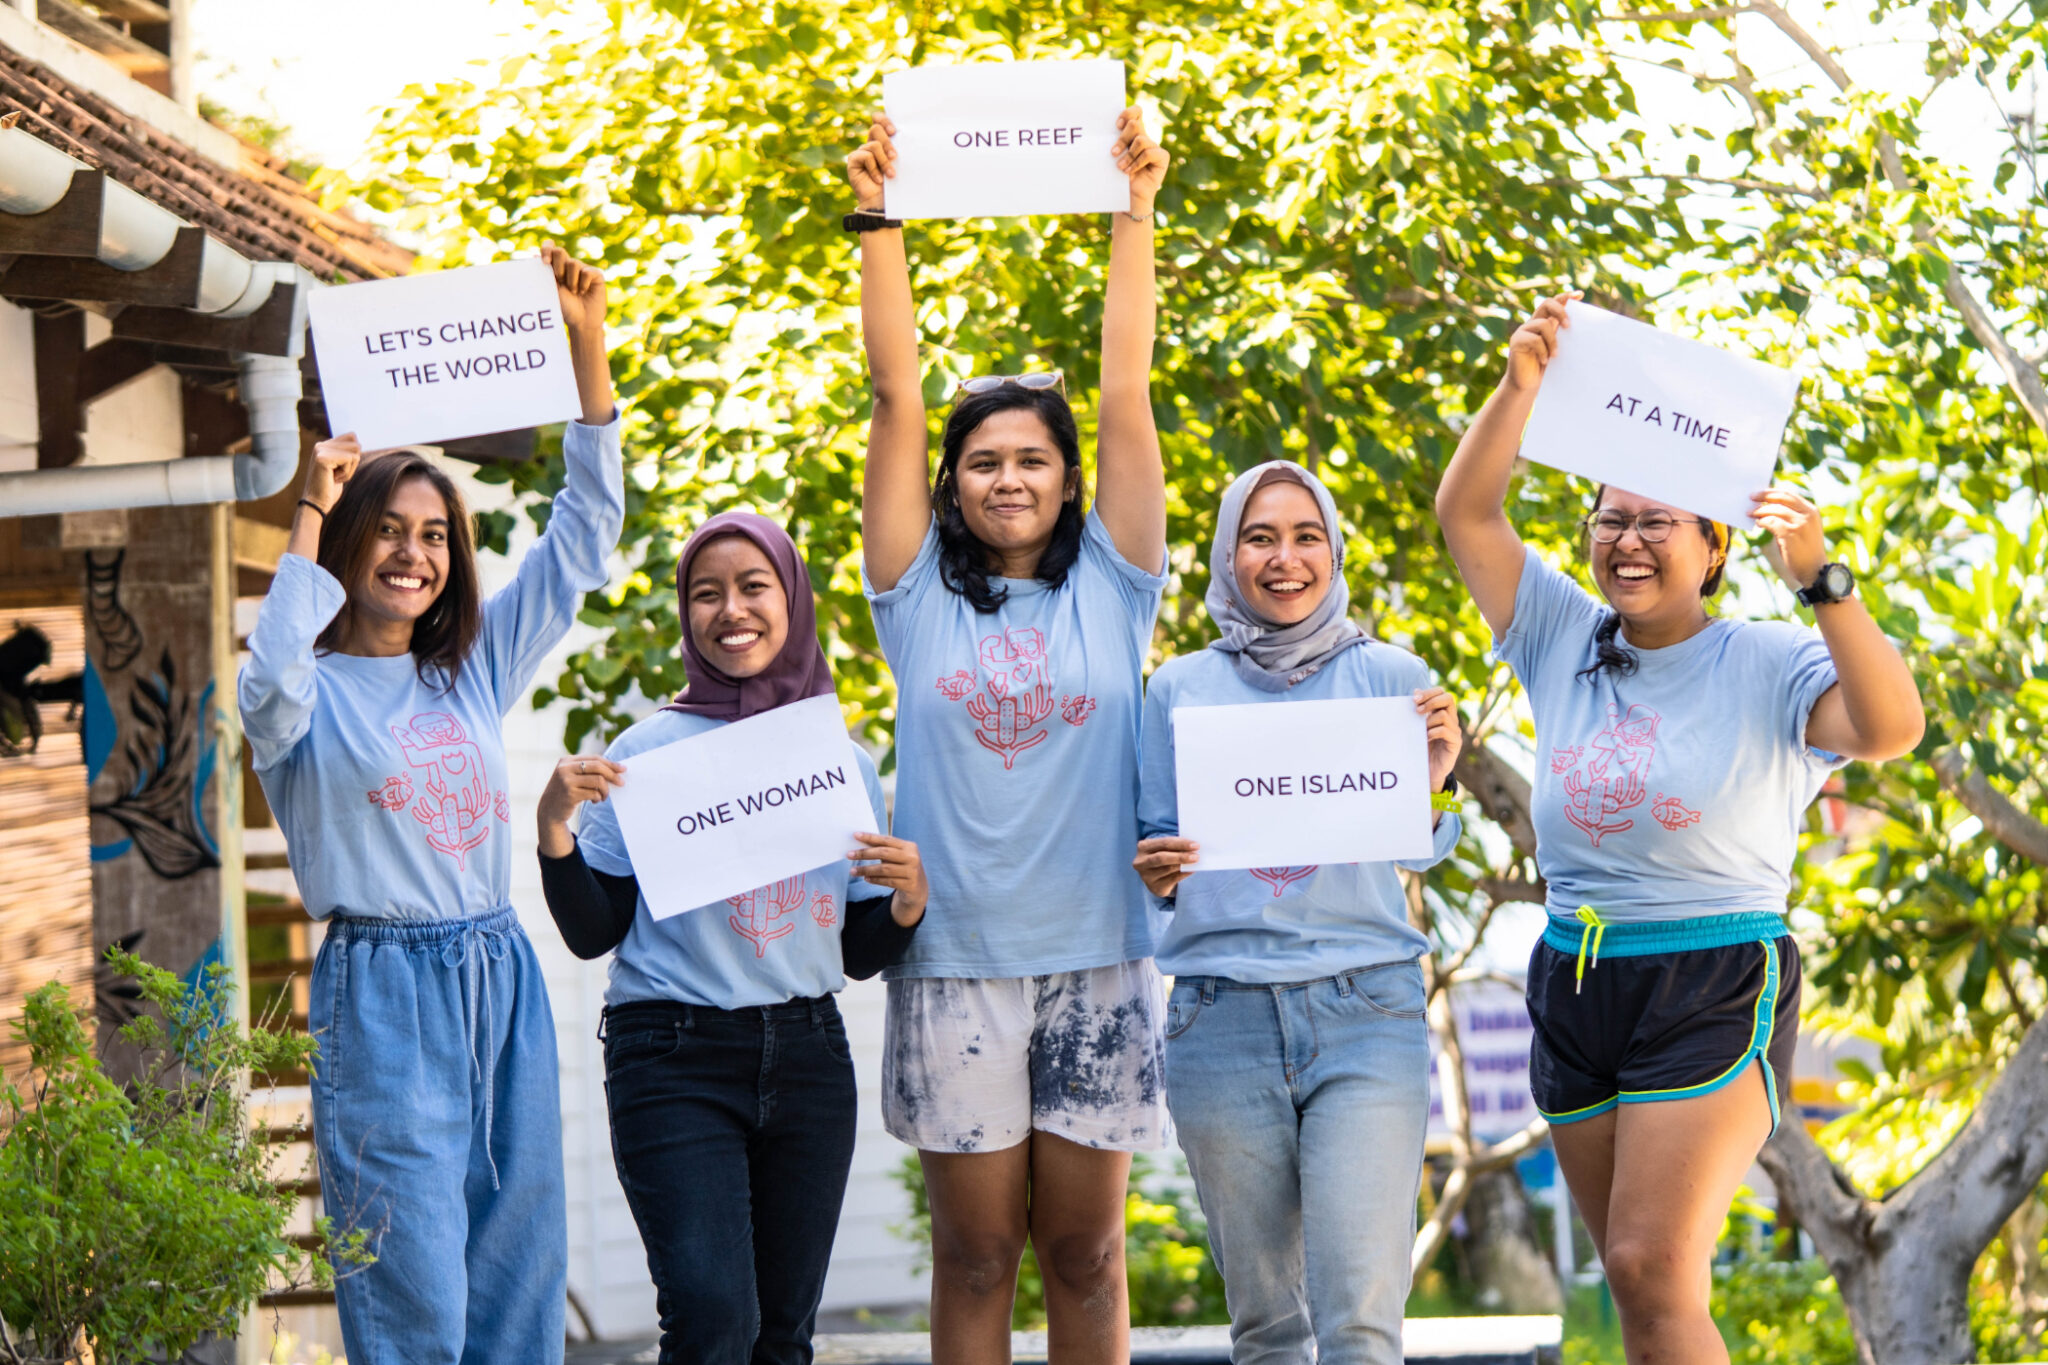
[[1676, 755], [1023, 1056]]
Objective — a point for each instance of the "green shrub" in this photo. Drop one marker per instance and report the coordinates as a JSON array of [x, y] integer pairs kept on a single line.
[[136, 1221]]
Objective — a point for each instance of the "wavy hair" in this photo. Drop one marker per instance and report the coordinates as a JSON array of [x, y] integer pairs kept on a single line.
[[963, 557], [444, 635], [1609, 653]]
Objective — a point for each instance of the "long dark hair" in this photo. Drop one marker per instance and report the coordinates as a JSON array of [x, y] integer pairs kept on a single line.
[[1609, 652], [442, 638], [963, 558]]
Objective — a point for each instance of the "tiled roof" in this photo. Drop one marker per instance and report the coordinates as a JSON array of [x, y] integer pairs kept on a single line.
[[255, 207]]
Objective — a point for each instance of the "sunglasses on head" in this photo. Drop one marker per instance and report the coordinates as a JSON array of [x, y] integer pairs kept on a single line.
[[1055, 380]]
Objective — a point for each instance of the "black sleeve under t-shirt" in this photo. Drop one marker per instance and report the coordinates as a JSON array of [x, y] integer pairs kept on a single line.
[[594, 910]]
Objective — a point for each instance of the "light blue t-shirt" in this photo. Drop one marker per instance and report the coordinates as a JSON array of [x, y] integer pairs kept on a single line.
[[775, 943], [1678, 791], [1017, 763], [1268, 925], [391, 792]]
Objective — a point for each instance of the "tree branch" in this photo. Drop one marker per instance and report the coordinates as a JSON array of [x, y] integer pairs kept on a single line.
[[1501, 792], [2024, 380], [1821, 1199], [1994, 1161], [2007, 823], [1682, 16], [1736, 182]]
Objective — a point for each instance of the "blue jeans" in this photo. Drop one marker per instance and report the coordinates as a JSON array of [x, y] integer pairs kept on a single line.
[[1301, 1108], [437, 1117], [733, 1133]]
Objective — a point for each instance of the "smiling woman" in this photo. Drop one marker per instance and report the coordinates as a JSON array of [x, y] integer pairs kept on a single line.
[[399, 537], [371, 703]]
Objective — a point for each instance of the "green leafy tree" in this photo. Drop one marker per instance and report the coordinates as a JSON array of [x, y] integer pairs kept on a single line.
[[135, 1222], [1364, 201]]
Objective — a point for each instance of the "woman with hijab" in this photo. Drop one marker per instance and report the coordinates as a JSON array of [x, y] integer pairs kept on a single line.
[[727, 1073], [1297, 1055]]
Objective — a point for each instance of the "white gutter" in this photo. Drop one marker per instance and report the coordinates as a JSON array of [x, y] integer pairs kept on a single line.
[[134, 235]]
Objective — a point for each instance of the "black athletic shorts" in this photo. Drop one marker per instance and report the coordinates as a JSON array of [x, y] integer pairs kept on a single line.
[[1661, 1011]]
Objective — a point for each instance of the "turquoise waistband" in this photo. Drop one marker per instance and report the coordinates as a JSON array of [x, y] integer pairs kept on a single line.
[[1648, 938]]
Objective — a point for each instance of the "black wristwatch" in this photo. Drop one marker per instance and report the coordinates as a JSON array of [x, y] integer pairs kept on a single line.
[[1834, 583], [868, 220]]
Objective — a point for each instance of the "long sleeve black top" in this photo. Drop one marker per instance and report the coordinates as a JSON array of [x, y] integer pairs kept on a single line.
[[595, 909]]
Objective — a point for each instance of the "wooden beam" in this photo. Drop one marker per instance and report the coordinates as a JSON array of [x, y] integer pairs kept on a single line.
[[88, 30], [215, 424], [258, 544], [270, 330], [134, 11], [109, 365], [172, 282], [69, 227], [59, 342], [497, 447]]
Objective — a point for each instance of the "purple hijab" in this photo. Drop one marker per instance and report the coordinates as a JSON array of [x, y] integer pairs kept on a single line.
[[799, 671]]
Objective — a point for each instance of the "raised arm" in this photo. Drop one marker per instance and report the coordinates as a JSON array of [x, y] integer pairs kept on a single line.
[[1471, 499], [1130, 478], [896, 490], [279, 687], [1874, 711], [527, 618]]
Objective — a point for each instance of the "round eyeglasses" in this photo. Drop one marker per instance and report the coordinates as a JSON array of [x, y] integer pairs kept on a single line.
[[1653, 527]]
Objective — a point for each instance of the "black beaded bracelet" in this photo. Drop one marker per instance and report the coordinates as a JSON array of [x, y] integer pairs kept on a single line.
[[308, 502]]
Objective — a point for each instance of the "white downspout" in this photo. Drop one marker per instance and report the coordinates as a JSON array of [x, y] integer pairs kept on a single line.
[[271, 388]]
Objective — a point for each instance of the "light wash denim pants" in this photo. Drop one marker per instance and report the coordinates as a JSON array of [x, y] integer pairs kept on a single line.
[[437, 1117], [1301, 1108]]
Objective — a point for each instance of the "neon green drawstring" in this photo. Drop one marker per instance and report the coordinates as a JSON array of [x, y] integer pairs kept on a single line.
[[1593, 933]]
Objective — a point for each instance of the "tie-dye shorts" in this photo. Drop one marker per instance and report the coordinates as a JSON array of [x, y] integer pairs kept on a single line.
[[974, 1064]]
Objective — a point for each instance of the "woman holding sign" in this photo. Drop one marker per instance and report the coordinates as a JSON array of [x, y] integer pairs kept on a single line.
[[1677, 753], [1296, 1022], [726, 1066], [377, 671], [1023, 1057]]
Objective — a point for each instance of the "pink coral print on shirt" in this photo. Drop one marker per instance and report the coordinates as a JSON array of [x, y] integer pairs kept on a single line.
[[1280, 878], [759, 915], [1610, 776], [1016, 694], [456, 803]]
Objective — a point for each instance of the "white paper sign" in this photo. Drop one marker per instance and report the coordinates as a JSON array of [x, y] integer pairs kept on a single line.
[[1005, 139], [1657, 415], [743, 806], [426, 358], [1304, 782]]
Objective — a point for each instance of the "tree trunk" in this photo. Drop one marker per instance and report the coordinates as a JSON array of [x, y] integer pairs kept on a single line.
[[1904, 1262], [1508, 1263]]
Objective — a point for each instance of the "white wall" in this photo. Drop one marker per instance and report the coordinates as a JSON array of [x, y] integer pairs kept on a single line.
[[18, 429], [871, 1267]]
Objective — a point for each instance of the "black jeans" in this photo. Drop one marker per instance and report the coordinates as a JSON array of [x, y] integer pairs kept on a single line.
[[733, 1131]]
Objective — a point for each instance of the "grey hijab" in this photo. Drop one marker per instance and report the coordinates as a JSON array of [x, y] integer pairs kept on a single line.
[[1275, 658]]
